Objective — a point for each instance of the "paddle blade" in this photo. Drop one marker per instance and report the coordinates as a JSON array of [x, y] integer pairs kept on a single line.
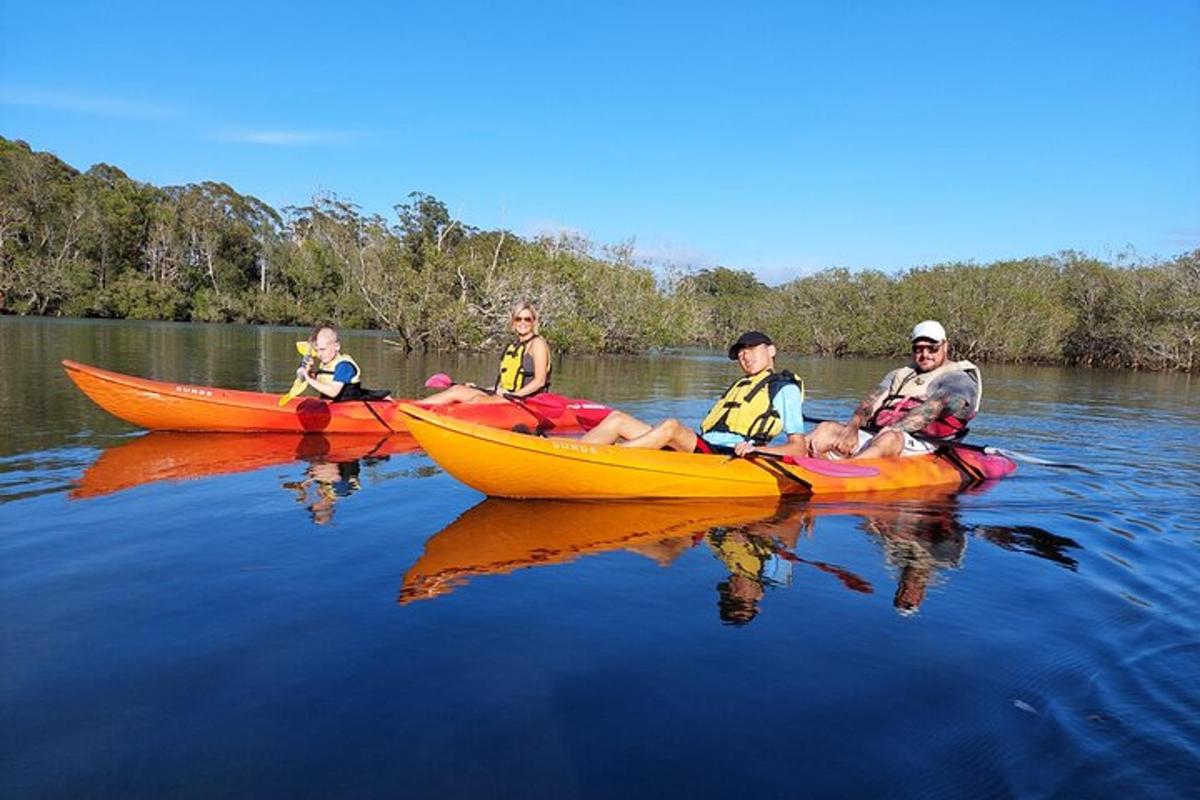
[[304, 348], [589, 414], [439, 380], [298, 386], [552, 405]]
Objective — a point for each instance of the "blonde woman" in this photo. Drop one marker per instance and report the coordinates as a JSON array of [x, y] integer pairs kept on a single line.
[[524, 366]]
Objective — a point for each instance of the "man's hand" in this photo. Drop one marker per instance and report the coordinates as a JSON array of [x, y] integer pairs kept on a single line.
[[847, 441], [743, 449]]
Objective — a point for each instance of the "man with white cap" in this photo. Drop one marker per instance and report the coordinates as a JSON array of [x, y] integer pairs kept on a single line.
[[914, 407]]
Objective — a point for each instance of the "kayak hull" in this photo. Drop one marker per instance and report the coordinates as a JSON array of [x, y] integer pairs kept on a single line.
[[505, 464], [172, 406]]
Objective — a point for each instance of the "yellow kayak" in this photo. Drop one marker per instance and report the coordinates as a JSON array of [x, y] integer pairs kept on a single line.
[[506, 464]]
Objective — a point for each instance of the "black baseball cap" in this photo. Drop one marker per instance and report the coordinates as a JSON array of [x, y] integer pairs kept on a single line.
[[748, 339]]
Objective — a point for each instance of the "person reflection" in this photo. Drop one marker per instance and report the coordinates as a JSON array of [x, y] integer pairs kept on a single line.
[[324, 483], [923, 539], [919, 541], [753, 565], [759, 556]]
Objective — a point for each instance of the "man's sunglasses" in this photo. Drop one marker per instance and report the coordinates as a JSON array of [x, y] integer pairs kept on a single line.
[[927, 348]]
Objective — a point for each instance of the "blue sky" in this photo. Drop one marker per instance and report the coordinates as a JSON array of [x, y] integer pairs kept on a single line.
[[781, 138]]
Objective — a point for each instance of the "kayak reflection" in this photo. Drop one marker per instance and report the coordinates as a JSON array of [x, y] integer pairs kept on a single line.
[[499, 536], [172, 456], [755, 541]]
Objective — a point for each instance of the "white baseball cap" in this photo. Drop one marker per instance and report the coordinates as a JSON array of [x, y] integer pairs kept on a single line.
[[929, 329]]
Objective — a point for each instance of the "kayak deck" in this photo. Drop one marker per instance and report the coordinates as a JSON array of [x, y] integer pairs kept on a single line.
[[505, 464], [173, 406]]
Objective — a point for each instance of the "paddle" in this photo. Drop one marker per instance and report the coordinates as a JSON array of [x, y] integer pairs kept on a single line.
[[987, 450], [773, 464], [849, 579], [299, 385]]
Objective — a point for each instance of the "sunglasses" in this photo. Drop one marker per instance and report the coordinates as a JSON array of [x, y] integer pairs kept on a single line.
[[523, 319], [927, 348]]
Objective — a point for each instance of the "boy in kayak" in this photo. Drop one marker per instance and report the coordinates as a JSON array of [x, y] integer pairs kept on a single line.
[[334, 374], [913, 409], [752, 412]]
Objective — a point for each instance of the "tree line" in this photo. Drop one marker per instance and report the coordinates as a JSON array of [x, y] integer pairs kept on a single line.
[[100, 244]]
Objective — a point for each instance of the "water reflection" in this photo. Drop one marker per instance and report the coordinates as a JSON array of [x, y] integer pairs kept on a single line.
[[759, 556], [920, 534], [922, 538], [334, 462], [323, 483], [500, 536]]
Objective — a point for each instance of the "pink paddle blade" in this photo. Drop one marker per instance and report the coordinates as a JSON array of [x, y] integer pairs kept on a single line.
[[589, 414], [833, 469], [439, 380]]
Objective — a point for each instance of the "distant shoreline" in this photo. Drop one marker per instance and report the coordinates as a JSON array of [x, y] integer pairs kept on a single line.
[[99, 245]]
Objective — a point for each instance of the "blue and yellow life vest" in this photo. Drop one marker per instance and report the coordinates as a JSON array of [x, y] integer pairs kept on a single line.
[[746, 410], [324, 371], [351, 389]]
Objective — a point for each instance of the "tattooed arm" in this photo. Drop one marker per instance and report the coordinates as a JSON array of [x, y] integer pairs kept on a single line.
[[948, 397], [847, 439], [866, 406]]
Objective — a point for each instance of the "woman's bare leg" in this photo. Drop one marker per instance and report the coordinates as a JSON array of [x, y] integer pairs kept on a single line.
[[460, 393]]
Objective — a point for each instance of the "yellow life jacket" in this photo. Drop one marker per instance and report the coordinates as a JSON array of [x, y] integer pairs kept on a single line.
[[516, 367], [746, 410], [324, 371]]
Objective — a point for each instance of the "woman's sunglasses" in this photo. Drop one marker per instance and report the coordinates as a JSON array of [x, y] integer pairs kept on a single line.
[[525, 318]]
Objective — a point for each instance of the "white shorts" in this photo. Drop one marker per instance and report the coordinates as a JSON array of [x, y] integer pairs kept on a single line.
[[912, 447]]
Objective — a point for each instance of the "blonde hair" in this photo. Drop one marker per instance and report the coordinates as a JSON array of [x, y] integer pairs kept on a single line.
[[526, 305]]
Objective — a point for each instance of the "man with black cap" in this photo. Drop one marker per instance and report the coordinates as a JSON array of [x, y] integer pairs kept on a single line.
[[914, 407], [753, 411]]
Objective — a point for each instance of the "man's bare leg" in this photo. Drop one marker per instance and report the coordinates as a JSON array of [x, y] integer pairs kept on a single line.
[[672, 433], [823, 437], [886, 444], [616, 427]]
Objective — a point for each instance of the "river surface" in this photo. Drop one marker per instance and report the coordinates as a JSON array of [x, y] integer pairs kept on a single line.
[[257, 616]]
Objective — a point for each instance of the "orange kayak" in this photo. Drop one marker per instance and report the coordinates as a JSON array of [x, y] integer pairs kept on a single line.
[[506, 464], [164, 405], [173, 456]]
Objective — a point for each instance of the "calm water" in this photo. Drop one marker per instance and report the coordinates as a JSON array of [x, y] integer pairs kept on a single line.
[[262, 616]]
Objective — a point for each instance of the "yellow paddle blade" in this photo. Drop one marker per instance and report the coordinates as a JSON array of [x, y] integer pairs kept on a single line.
[[298, 386], [304, 348]]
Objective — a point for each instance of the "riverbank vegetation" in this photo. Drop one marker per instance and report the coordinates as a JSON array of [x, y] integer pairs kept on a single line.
[[100, 244]]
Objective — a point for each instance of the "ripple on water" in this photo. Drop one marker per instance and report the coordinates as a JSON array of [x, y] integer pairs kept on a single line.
[[35, 474]]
